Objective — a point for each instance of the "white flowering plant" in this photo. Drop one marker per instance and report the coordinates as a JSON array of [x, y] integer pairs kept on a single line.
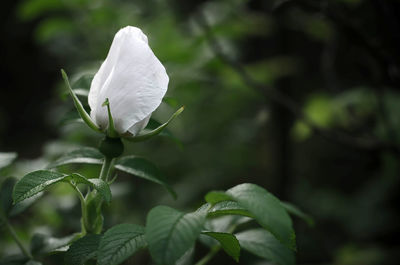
[[126, 90]]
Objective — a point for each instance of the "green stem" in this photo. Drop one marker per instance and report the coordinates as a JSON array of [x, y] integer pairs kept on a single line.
[[209, 256], [17, 240], [106, 168], [83, 208]]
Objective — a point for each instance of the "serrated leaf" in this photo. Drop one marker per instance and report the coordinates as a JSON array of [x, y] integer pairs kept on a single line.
[[228, 208], [267, 210], [144, 134], [294, 210], [82, 250], [214, 197], [119, 243], [171, 233], [143, 168], [263, 244], [25, 204], [37, 181], [228, 242], [43, 244], [85, 155], [101, 186], [6, 159], [6, 195]]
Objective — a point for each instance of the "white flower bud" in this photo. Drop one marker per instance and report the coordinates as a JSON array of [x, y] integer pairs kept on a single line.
[[133, 80]]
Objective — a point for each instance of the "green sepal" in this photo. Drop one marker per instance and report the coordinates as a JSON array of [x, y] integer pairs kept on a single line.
[[142, 136], [79, 107], [111, 132]]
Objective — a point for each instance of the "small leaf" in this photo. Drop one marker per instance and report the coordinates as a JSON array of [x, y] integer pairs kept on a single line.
[[101, 186], [37, 181], [119, 243], [6, 159], [79, 107], [294, 210], [228, 242], [143, 168], [86, 155], [82, 250], [267, 210], [146, 135], [263, 244], [171, 233], [43, 244], [153, 124], [34, 183], [214, 197]]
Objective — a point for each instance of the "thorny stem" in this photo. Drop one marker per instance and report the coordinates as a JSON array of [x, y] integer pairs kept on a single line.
[[16, 239]]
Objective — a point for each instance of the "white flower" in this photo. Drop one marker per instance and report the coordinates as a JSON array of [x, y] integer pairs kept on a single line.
[[133, 80]]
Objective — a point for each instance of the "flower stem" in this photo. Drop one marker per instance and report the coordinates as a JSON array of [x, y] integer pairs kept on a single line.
[[106, 168], [83, 208], [209, 256], [16, 239]]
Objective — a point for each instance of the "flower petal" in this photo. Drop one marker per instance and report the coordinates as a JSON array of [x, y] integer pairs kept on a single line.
[[133, 80], [137, 127]]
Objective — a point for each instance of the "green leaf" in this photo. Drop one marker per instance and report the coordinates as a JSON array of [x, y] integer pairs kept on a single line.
[[82, 250], [119, 243], [6, 195], [43, 244], [214, 197], [34, 183], [37, 181], [263, 244], [101, 186], [228, 208], [25, 204], [171, 233], [79, 107], [6, 159], [228, 242], [143, 168], [294, 210], [33, 262], [85, 155], [144, 135], [267, 210]]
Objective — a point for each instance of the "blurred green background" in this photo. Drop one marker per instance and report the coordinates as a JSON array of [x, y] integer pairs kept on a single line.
[[299, 96]]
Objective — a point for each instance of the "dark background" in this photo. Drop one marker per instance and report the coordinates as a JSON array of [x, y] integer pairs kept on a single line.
[[301, 97]]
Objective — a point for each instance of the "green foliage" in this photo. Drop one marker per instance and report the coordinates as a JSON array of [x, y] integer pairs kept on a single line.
[[263, 207], [82, 250], [143, 168], [37, 181], [119, 243], [171, 233], [228, 242], [263, 244]]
